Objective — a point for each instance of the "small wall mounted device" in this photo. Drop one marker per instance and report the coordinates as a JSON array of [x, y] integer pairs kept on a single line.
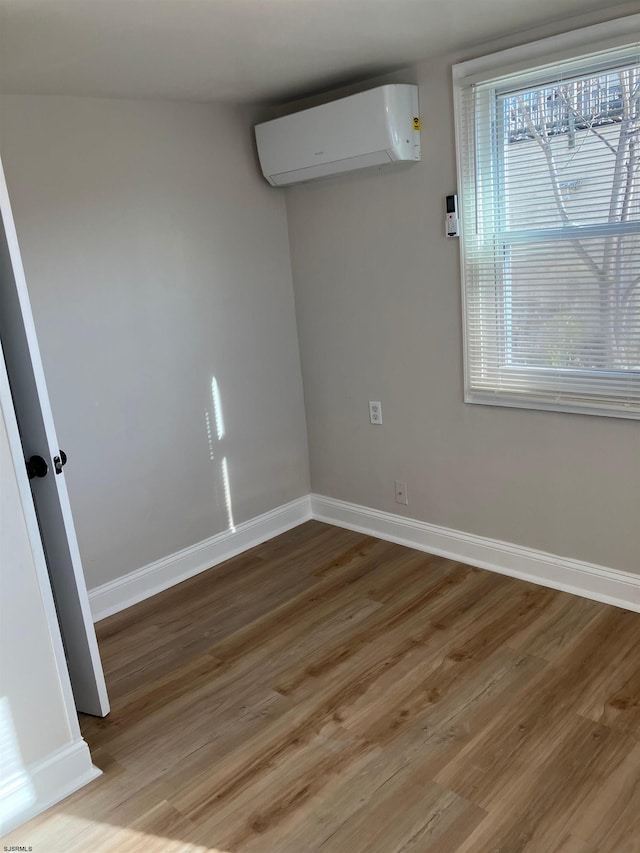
[[451, 216]]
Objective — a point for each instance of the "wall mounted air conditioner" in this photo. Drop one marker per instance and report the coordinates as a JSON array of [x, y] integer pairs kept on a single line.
[[372, 128]]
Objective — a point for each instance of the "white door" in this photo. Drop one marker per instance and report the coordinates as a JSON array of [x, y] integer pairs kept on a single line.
[[38, 435]]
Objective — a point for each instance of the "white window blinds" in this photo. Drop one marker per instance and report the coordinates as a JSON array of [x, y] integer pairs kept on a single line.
[[549, 185]]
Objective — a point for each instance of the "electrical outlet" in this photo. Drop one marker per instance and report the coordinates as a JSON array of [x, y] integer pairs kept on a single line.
[[401, 493], [375, 412]]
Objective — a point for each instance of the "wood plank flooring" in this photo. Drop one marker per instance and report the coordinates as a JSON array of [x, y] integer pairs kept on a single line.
[[331, 692]]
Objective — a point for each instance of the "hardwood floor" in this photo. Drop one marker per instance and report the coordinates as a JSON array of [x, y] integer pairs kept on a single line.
[[331, 692]]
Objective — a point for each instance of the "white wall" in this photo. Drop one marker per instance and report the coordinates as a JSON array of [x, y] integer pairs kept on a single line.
[[157, 259], [377, 289]]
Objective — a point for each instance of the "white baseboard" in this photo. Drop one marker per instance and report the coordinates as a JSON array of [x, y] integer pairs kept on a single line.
[[44, 783], [140, 584], [589, 580], [610, 586]]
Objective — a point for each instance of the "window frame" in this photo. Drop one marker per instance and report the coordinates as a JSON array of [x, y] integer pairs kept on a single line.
[[495, 75]]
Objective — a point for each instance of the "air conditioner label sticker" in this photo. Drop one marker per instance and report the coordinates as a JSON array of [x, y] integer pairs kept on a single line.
[[416, 122]]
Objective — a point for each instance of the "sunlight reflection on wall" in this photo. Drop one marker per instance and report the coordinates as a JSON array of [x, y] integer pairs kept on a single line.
[[216, 455]]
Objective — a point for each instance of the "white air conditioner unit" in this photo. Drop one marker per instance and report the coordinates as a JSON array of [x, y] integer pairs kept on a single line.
[[372, 128]]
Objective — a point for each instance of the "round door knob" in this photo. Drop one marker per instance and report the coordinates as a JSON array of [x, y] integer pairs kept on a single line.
[[37, 467]]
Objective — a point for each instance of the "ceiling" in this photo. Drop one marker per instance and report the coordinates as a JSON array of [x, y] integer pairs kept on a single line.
[[242, 50]]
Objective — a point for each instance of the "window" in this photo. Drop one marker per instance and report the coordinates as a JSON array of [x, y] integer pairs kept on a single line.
[[549, 185]]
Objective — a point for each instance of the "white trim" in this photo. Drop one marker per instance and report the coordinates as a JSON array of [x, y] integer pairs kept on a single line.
[[588, 580], [606, 36], [140, 584], [53, 778], [610, 586], [479, 163]]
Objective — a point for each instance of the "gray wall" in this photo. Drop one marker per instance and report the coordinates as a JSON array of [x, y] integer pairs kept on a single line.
[[157, 259], [377, 289]]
